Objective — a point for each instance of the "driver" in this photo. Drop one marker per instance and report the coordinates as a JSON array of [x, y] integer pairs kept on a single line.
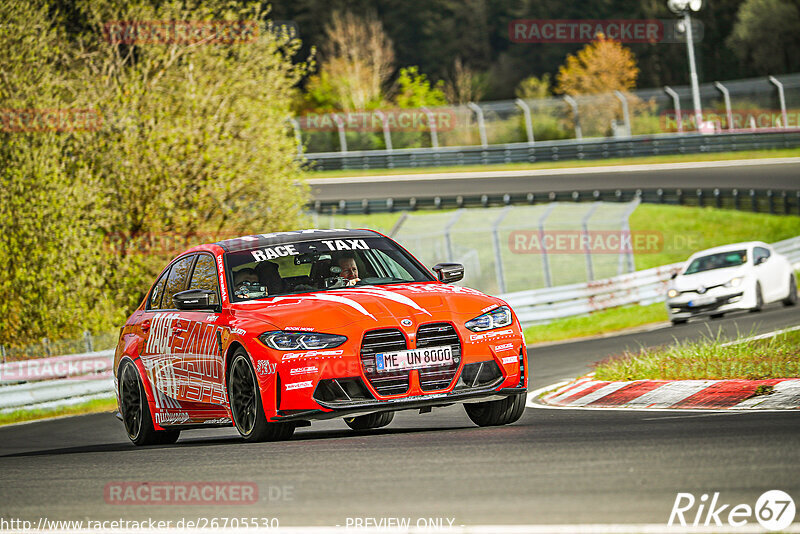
[[246, 284], [349, 269]]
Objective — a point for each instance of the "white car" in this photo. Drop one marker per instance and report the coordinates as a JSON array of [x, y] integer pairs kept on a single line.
[[742, 276]]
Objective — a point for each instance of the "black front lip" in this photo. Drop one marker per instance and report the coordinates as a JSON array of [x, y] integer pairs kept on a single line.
[[341, 409]]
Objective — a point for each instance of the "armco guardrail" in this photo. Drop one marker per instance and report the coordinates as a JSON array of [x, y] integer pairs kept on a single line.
[[29, 383], [567, 149], [640, 287]]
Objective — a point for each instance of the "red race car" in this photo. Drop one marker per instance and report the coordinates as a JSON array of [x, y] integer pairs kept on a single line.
[[270, 332]]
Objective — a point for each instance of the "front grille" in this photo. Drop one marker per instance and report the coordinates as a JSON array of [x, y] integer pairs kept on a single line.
[[720, 301], [386, 340], [438, 335]]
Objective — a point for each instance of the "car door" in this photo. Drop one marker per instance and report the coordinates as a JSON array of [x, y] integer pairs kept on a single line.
[[769, 271], [162, 324]]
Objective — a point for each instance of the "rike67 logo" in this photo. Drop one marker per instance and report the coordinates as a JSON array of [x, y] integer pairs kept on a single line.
[[774, 510]]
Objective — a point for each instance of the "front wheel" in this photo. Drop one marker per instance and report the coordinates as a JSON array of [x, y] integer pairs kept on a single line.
[[135, 412], [759, 299], [369, 421], [791, 298], [246, 407], [676, 322], [499, 412]]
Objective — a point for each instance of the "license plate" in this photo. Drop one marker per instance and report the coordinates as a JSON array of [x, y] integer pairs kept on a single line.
[[413, 359], [701, 301]]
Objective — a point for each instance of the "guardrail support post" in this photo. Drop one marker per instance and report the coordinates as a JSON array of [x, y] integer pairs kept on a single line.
[[387, 134], [447, 240], [481, 124], [548, 280], [340, 126], [676, 103], [498, 257], [3, 352], [781, 99], [574, 105], [432, 127], [587, 247], [528, 122], [727, 97], [87, 337], [627, 257], [625, 112]]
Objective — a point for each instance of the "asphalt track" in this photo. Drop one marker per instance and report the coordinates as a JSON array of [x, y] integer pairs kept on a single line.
[[784, 175], [551, 467]]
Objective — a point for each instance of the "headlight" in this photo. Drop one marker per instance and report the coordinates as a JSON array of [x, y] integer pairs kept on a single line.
[[672, 293], [301, 340], [496, 318], [734, 282]]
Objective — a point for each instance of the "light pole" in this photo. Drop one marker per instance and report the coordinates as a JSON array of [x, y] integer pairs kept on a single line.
[[682, 8]]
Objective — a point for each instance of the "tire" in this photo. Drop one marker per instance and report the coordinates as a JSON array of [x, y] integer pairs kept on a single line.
[[717, 315], [759, 299], [499, 412], [791, 298], [136, 413], [369, 421], [246, 407], [676, 322]]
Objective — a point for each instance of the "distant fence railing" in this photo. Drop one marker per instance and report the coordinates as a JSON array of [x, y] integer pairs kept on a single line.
[[640, 287]]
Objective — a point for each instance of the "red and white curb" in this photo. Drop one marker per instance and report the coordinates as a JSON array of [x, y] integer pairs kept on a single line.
[[586, 392]]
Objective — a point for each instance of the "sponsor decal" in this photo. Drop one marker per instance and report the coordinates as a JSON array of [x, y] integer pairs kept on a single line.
[[238, 331], [158, 492], [303, 370], [490, 307], [211, 318], [219, 421], [270, 253], [491, 334], [300, 328], [221, 269], [774, 510], [310, 354], [265, 367], [508, 360], [163, 418], [503, 347], [346, 244], [299, 385]]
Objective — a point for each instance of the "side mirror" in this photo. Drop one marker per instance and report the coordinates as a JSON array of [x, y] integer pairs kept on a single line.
[[449, 272], [674, 276], [761, 260], [195, 299]]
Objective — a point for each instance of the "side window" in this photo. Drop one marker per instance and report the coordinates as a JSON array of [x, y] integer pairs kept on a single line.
[[176, 281], [205, 275], [158, 289], [758, 253]]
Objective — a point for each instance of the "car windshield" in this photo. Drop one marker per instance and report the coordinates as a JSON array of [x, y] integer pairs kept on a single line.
[[319, 265], [717, 261]]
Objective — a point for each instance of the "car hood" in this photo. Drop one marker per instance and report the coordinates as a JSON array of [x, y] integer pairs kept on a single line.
[[372, 305], [708, 279]]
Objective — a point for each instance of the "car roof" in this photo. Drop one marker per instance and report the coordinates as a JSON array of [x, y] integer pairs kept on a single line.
[[728, 248], [284, 238]]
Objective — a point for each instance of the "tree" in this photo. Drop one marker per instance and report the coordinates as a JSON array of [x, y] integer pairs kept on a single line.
[[414, 90], [766, 35], [601, 66], [533, 88], [465, 85]]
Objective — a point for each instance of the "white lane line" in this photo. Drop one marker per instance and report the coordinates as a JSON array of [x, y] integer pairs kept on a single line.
[[525, 173], [786, 393], [598, 394], [761, 336], [670, 393]]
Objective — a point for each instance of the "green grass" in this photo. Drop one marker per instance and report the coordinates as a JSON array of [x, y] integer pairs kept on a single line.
[[92, 406], [686, 230], [710, 358], [601, 322], [719, 156]]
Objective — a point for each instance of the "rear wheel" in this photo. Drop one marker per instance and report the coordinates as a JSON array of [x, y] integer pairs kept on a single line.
[[791, 298], [717, 315], [369, 421], [135, 412], [246, 406], [499, 412], [759, 299], [676, 322]]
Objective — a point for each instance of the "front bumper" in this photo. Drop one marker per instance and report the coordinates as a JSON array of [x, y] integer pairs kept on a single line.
[[680, 309], [358, 407]]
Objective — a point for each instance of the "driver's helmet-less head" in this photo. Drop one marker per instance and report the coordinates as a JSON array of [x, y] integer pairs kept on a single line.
[[248, 289]]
